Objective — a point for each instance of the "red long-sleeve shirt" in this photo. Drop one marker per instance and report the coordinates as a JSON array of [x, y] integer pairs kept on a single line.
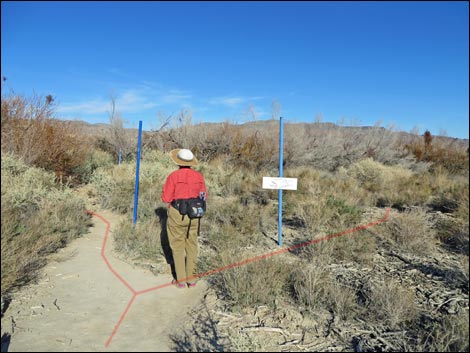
[[183, 183]]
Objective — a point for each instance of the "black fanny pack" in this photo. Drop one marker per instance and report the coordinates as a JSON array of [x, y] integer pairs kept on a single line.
[[193, 208]]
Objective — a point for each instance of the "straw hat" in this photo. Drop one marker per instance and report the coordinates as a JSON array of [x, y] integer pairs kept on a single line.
[[183, 157]]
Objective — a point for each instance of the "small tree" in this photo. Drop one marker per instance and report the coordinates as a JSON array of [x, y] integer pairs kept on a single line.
[[30, 132], [427, 144], [119, 138]]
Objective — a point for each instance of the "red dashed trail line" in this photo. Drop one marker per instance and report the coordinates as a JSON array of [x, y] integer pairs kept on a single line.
[[135, 293]]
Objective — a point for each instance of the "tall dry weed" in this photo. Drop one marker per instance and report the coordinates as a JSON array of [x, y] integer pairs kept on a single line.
[[258, 283], [342, 300], [410, 231], [450, 334], [309, 282], [392, 304]]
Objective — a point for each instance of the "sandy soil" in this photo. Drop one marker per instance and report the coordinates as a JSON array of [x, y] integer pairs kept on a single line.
[[78, 303]]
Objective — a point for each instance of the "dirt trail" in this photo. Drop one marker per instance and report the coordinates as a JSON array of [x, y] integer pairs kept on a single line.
[[79, 302]]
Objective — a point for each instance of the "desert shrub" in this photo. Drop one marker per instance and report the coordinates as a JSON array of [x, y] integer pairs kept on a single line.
[[323, 202], [115, 188], [369, 173], [405, 191], [359, 246], [229, 224], [29, 132], [95, 159], [24, 187], [309, 283], [342, 300], [441, 153], [258, 283], [411, 231], [253, 151], [327, 146], [447, 334], [391, 304], [437, 189], [244, 341], [453, 234], [213, 142], [140, 240], [245, 218], [102, 143], [450, 195], [462, 211], [38, 217]]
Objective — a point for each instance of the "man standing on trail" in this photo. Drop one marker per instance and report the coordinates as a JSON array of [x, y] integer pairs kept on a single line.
[[184, 189]]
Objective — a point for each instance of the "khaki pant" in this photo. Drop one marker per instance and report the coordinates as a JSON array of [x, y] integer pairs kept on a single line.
[[182, 236]]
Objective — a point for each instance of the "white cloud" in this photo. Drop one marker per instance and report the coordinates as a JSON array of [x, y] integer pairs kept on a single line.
[[129, 101], [175, 96], [229, 101], [232, 101], [134, 101], [95, 106]]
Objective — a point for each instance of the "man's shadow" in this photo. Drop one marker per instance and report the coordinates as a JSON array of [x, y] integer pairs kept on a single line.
[[162, 214]]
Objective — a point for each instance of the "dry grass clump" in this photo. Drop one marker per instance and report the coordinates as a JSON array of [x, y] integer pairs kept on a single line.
[[139, 241], [324, 202], [450, 334], [23, 186], [410, 231], [38, 217], [451, 196], [309, 282], [245, 342], [453, 233], [391, 304], [246, 219], [369, 173], [261, 282], [397, 186], [462, 211], [115, 186], [342, 300], [359, 247], [381, 180]]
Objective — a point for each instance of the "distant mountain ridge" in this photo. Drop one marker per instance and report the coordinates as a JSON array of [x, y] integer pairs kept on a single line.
[[97, 129]]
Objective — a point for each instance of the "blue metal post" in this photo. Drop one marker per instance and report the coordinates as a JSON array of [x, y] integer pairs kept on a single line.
[[281, 148], [136, 192]]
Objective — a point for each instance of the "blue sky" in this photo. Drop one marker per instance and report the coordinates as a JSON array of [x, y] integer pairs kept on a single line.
[[403, 64]]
